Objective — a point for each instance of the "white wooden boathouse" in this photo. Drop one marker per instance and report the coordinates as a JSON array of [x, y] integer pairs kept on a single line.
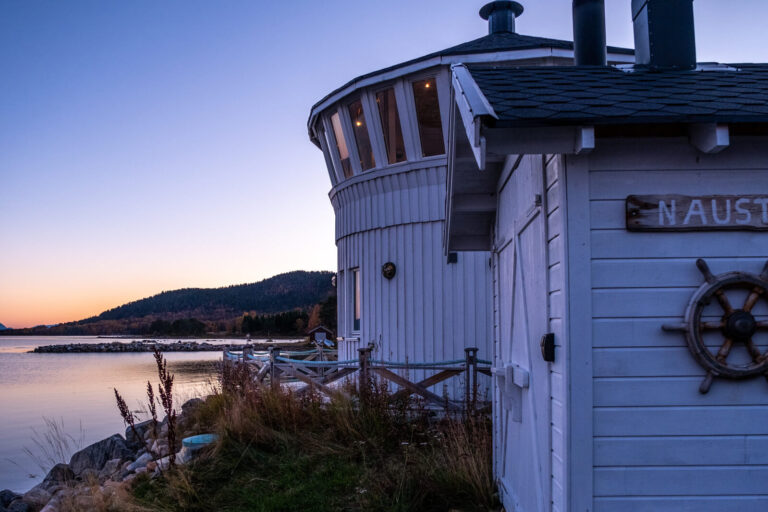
[[384, 137], [626, 212]]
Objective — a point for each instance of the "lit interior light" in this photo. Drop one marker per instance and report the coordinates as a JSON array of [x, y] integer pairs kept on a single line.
[[358, 123], [426, 85]]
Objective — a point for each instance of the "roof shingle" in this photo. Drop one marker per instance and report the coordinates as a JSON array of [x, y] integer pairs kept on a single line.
[[608, 95]]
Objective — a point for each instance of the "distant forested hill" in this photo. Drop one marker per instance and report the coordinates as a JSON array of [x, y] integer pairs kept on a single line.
[[2, 327], [283, 305], [283, 292]]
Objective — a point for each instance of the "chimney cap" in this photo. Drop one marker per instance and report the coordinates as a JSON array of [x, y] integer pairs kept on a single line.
[[489, 8], [501, 16]]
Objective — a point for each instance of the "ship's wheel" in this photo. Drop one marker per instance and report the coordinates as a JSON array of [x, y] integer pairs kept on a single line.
[[738, 325]]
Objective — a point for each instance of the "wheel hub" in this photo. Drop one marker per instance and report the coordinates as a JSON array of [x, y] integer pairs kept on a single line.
[[740, 325]]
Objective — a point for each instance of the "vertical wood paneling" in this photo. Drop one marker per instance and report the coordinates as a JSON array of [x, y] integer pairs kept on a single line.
[[430, 310], [557, 307]]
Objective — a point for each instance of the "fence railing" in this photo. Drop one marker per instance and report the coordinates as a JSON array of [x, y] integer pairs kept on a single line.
[[319, 371]]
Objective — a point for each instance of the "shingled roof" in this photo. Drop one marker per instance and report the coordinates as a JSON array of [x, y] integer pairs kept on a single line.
[[492, 43], [508, 41], [540, 96]]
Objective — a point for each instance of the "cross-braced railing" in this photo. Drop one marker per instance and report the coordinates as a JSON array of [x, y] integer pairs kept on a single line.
[[318, 371]]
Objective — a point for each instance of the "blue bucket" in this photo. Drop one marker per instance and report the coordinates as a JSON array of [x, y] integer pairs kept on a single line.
[[199, 441]]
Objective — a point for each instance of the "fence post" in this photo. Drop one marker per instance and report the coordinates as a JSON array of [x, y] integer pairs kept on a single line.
[[467, 377], [473, 362], [362, 382], [320, 358], [274, 352]]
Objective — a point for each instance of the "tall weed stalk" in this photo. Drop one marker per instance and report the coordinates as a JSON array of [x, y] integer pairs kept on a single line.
[[165, 390]]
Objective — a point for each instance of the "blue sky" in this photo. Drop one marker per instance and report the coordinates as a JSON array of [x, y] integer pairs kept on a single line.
[[147, 146]]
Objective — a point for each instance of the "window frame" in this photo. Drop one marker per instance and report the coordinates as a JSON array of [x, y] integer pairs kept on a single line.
[[364, 99], [322, 136], [402, 115], [334, 147], [442, 82], [356, 294]]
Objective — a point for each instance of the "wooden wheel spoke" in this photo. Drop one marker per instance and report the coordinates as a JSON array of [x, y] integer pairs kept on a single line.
[[762, 325], [722, 354], [724, 302], [752, 299], [711, 326], [753, 351]]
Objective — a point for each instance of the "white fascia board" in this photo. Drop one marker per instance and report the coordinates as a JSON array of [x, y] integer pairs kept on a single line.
[[540, 140], [472, 105]]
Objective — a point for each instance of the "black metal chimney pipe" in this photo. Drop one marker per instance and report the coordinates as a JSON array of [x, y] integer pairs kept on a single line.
[[664, 34], [501, 15], [589, 33]]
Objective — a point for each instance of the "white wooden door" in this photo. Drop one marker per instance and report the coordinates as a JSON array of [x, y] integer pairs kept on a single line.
[[522, 383]]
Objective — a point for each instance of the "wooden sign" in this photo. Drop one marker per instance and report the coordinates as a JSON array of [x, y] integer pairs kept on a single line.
[[697, 213]]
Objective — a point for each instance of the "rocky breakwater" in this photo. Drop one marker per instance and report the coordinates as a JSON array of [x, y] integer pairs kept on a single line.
[[150, 346], [99, 474]]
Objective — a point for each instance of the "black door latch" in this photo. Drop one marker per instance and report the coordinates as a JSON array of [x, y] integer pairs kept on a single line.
[[548, 347]]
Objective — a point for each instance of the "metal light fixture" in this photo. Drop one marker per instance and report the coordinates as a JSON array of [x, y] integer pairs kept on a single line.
[[388, 270]]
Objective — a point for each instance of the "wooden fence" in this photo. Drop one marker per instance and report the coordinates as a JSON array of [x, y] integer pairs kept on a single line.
[[318, 372]]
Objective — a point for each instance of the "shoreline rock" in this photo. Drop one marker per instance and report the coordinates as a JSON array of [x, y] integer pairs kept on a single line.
[[105, 465], [150, 345]]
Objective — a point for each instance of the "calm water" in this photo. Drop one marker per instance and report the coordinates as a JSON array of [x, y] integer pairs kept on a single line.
[[77, 389]]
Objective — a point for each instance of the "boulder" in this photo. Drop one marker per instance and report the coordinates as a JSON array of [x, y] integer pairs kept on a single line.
[[96, 455], [89, 476], [60, 475], [110, 468], [144, 429], [140, 463], [191, 405], [53, 506], [36, 498], [160, 448], [7, 496], [19, 506]]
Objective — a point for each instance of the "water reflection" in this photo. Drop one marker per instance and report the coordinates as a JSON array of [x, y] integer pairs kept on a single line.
[[78, 389]]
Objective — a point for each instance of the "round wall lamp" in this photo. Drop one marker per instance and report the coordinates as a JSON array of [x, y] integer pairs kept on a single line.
[[388, 270]]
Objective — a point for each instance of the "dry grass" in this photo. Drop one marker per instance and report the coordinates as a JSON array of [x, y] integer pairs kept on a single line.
[[53, 445], [279, 451]]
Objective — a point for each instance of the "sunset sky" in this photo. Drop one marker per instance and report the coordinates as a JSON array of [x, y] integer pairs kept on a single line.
[[148, 146]]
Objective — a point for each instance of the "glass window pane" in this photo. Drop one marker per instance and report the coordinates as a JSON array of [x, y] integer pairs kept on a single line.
[[428, 117], [341, 145], [362, 139], [356, 308], [390, 125]]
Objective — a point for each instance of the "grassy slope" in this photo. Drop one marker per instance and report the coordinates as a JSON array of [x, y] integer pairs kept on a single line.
[[278, 453]]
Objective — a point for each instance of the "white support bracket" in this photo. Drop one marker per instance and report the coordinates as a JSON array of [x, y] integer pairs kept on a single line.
[[709, 138], [512, 379], [585, 140]]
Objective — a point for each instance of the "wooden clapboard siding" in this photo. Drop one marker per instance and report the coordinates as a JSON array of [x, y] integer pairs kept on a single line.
[[689, 451], [682, 504], [658, 443], [430, 310]]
